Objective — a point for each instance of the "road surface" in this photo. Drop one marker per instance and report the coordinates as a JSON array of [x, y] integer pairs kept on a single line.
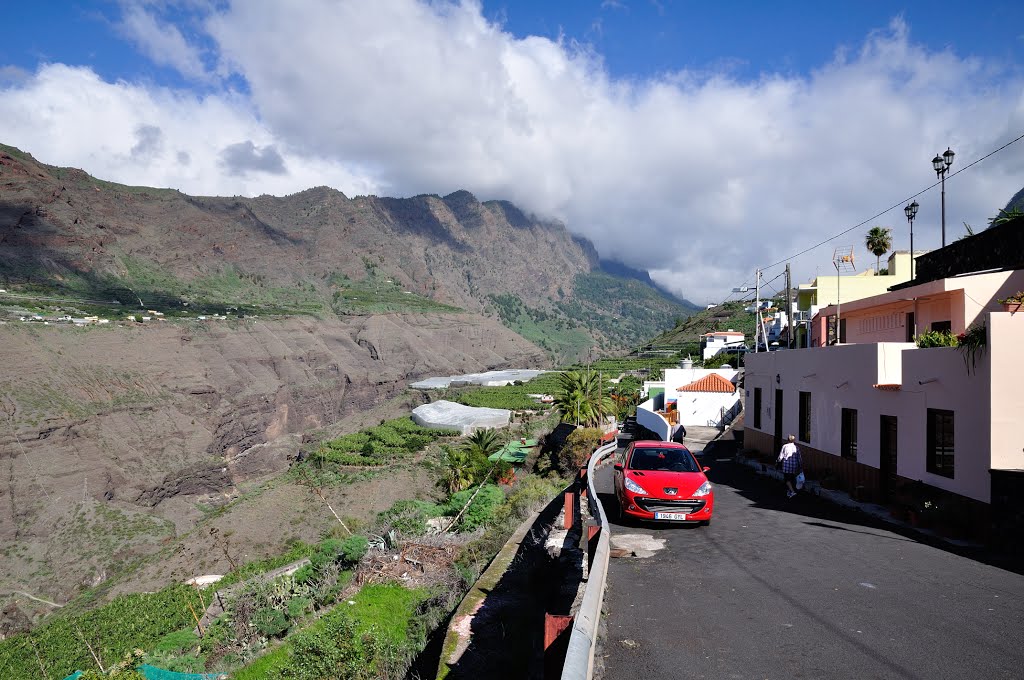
[[779, 588]]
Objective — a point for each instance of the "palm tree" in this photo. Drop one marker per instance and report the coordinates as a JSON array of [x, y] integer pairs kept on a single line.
[[879, 241], [483, 442], [458, 471], [581, 398]]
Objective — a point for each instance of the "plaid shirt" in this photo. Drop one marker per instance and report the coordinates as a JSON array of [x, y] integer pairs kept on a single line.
[[790, 457]]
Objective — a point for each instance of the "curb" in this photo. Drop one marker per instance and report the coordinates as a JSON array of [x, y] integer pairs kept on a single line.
[[841, 498]]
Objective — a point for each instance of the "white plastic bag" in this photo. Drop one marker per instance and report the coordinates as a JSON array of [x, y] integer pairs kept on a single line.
[[800, 479]]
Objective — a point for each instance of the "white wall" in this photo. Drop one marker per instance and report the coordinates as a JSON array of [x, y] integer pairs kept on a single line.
[[647, 417], [842, 377], [699, 408], [1005, 352]]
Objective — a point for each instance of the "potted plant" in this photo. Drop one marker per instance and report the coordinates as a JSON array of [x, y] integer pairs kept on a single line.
[[971, 342], [1013, 302]]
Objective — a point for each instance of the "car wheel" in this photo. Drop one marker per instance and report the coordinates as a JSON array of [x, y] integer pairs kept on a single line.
[[706, 523]]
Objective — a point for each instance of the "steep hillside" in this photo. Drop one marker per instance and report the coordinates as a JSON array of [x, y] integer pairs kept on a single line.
[[66, 234], [686, 334], [116, 440]]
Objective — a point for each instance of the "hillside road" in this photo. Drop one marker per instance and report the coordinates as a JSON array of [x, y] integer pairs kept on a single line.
[[780, 588]]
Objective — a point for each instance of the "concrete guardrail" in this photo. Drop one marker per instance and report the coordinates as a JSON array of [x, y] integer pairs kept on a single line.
[[579, 658]]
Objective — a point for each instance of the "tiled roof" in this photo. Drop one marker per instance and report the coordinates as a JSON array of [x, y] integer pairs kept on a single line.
[[712, 382], [888, 387]]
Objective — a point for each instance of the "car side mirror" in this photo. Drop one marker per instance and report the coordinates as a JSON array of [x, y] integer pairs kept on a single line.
[[707, 469], [618, 466]]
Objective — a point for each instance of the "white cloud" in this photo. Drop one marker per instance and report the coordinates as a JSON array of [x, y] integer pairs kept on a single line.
[[142, 135], [699, 178], [162, 42]]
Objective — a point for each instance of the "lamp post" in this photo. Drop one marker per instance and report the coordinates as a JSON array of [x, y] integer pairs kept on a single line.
[[941, 166], [911, 212]]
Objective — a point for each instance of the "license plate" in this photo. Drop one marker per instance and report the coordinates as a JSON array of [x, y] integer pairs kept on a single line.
[[671, 515]]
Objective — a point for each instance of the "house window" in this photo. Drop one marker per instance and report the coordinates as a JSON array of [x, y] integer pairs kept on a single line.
[[757, 408], [848, 438], [942, 326], [940, 442], [805, 417]]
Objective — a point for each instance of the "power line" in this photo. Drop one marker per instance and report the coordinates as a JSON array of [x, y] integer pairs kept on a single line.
[[895, 205], [879, 214]]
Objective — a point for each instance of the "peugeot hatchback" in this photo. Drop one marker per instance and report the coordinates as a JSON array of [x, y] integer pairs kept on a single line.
[[662, 481]]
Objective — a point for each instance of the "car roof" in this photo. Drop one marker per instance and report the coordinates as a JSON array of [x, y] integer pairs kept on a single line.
[[654, 443]]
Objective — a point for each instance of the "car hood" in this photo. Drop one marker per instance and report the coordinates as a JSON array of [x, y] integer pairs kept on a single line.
[[656, 481]]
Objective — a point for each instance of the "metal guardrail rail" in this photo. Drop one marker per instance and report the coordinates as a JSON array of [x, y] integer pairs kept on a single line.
[[579, 657]]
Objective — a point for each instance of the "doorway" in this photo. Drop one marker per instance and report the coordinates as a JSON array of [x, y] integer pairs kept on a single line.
[[778, 422], [887, 456]]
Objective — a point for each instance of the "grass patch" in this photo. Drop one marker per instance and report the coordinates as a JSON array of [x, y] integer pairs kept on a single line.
[[391, 441], [376, 294]]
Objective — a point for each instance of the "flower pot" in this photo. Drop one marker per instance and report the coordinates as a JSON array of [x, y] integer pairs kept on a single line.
[[1012, 306]]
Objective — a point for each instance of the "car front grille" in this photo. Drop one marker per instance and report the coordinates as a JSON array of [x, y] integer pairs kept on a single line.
[[689, 506]]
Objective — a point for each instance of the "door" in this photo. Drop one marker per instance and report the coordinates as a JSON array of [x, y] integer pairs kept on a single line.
[[887, 456], [778, 422]]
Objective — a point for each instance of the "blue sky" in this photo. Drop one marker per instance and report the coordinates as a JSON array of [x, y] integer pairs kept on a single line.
[[696, 140]]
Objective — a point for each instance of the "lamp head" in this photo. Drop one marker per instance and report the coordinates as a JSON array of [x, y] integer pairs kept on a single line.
[[938, 163], [911, 211], [948, 156]]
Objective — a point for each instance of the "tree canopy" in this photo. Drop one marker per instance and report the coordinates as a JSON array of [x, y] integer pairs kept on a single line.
[[878, 242]]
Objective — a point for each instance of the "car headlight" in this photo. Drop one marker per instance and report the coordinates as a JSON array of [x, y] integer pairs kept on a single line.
[[703, 490], [634, 487]]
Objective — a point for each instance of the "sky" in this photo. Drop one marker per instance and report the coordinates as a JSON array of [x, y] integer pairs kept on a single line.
[[696, 140]]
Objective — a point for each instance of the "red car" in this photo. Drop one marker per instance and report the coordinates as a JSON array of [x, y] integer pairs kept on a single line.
[[662, 481]]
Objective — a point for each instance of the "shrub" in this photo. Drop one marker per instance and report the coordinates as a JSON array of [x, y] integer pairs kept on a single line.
[[409, 517], [332, 650], [936, 339], [297, 606], [270, 622], [578, 447], [353, 548], [480, 511]]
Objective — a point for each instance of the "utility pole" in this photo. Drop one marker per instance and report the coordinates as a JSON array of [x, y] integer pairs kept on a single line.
[[789, 311], [757, 306]]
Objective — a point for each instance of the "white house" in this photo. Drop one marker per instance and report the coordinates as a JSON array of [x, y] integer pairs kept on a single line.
[[689, 396], [715, 341]]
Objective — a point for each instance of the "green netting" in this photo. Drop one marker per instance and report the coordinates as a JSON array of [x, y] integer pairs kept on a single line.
[[154, 673], [514, 452]]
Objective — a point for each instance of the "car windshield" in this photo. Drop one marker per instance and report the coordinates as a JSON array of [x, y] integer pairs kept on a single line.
[[667, 460]]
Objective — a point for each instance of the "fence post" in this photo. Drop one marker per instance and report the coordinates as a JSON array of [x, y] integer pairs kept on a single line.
[[570, 509]]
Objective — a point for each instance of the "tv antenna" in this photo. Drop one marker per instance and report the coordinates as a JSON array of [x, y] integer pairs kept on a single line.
[[842, 260]]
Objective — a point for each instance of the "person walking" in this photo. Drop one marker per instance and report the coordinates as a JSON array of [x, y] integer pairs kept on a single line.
[[792, 465]]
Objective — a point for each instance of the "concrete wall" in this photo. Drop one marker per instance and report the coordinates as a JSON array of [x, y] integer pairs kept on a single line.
[[842, 377], [1005, 353], [647, 417]]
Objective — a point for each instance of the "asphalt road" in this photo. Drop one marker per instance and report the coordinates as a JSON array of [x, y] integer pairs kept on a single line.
[[779, 588]]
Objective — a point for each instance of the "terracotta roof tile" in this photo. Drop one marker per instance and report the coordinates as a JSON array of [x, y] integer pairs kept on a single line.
[[710, 383], [888, 387]]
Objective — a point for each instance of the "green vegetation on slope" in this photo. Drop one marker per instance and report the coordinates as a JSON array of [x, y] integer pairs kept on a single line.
[[620, 312], [378, 295], [61, 646], [686, 334], [384, 444]]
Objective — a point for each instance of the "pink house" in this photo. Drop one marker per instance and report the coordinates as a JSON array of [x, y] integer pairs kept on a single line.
[[884, 419]]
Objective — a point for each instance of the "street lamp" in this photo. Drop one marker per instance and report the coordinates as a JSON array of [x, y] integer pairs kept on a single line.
[[941, 166], [911, 212]]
